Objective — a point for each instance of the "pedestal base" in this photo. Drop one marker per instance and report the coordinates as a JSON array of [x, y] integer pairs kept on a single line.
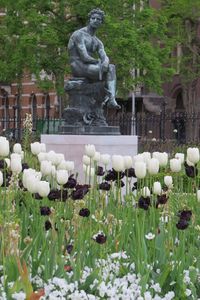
[[73, 146], [88, 130]]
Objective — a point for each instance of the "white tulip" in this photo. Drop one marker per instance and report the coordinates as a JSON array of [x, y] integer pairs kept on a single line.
[[193, 155], [105, 159], [168, 181], [138, 157], [35, 148], [118, 163], [90, 150], [42, 156], [146, 156], [16, 166], [45, 167], [51, 156], [22, 155], [153, 166], [4, 146], [69, 165], [32, 184], [198, 195], [163, 159], [157, 189], [146, 192], [1, 178], [59, 157], [180, 156], [15, 156], [42, 148], [17, 148], [189, 163], [7, 160], [97, 156], [62, 176], [140, 169], [43, 188], [175, 165], [86, 160], [128, 162], [53, 171]]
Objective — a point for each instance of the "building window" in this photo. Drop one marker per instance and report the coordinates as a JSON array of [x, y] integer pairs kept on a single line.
[[33, 99], [179, 101], [5, 111], [47, 106]]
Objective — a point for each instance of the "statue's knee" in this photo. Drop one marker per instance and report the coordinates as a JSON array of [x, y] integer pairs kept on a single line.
[[112, 68]]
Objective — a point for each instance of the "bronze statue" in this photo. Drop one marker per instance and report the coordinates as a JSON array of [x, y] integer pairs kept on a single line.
[[82, 47]]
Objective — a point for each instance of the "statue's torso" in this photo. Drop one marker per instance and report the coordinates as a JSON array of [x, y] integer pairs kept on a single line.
[[82, 36]]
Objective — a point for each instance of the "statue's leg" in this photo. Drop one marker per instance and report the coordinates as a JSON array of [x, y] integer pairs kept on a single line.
[[111, 88], [89, 71]]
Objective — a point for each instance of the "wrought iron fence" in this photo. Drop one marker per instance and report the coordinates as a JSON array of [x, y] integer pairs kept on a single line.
[[182, 128]]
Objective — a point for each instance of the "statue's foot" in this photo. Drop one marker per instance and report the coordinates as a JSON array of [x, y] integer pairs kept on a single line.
[[111, 102]]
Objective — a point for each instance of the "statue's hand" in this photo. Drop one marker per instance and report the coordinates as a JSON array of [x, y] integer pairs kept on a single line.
[[94, 61], [104, 66]]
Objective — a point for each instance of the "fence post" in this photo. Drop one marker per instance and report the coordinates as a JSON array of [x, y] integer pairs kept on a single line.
[[162, 121]]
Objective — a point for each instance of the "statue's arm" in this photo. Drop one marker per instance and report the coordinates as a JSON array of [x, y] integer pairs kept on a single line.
[[102, 54], [85, 57]]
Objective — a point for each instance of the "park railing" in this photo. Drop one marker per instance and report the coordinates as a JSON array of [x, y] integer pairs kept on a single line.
[[181, 128]]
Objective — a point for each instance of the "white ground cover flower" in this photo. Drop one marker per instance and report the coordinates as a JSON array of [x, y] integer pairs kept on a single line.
[[150, 236]]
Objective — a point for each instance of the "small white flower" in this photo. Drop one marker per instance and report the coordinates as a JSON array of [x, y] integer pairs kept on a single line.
[[188, 292], [150, 236]]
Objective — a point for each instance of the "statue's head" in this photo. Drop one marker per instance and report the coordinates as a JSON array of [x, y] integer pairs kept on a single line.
[[97, 11]]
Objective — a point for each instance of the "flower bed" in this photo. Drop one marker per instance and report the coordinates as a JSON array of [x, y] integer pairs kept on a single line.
[[129, 232]]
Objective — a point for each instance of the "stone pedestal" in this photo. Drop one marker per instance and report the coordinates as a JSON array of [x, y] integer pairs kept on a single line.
[[85, 114], [73, 146]]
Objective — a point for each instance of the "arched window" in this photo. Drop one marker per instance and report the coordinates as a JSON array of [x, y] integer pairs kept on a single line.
[[47, 106], [179, 101], [33, 99]]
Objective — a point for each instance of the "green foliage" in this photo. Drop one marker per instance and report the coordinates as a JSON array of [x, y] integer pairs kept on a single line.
[[34, 36]]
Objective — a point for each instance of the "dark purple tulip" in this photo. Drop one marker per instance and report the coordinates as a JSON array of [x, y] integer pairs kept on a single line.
[[161, 199], [45, 211], [69, 248], [105, 186], [134, 186], [37, 196], [80, 191], [47, 225], [182, 224], [191, 171], [121, 183], [71, 183], [84, 212], [185, 214], [25, 166], [3, 164], [130, 172], [144, 202], [99, 171], [54, 195], [101, 238]]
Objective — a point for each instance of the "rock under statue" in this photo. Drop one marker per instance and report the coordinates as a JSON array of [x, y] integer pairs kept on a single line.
[[93, 85]]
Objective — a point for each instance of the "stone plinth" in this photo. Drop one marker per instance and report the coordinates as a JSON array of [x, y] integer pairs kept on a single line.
[[72, 146]]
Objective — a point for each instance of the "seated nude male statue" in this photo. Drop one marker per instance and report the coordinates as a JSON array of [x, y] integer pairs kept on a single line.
[[83, 45]]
